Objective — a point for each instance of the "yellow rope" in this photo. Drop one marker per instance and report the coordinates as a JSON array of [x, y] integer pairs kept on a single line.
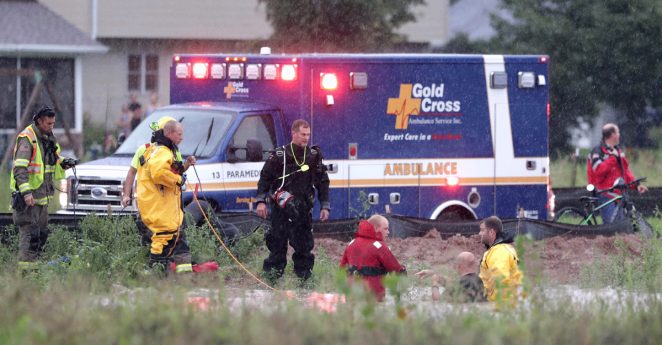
[[229, 252]]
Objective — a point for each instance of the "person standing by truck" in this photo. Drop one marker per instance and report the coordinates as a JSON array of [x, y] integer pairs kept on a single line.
[[289, 178], [146, 234], [133, 169], [37, 165], [159, 199]]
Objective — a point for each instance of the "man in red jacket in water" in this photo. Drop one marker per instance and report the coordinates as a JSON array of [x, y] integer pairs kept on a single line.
[[369, 257]]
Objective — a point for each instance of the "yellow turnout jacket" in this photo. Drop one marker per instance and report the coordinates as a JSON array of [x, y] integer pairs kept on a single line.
[[158, 191]]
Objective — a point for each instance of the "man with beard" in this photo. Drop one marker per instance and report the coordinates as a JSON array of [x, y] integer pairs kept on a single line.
[[499, 266]]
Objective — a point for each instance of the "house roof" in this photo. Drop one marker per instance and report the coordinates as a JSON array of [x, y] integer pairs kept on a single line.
[[29, 27]]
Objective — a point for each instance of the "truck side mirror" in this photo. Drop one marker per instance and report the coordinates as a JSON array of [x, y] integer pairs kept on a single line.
[[232, 153], [254, 150]]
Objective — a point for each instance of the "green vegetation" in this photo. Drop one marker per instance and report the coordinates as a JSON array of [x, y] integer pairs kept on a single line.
[[83, 302], [338, 26], [601, 53], [643, 163], [628, 268]]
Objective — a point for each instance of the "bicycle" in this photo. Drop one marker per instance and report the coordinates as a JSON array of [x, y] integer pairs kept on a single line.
[[589, 215]]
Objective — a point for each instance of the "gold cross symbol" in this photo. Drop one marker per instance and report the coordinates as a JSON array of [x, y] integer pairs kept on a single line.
[[403, 106], [230, 90]]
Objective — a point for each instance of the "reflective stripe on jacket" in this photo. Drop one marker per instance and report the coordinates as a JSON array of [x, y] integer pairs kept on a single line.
[[158, 191], [35, 166]]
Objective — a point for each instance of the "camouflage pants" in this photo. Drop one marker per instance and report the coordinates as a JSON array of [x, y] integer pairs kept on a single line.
[[33, 228]]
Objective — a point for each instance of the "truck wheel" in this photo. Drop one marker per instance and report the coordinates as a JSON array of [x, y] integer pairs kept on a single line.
[[455, 213]]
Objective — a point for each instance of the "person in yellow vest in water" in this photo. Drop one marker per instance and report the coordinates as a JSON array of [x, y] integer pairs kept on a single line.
[[36, 166], [498, 268], [158, 192]]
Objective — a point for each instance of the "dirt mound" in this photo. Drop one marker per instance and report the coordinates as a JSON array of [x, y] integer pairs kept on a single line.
[[561, 257]]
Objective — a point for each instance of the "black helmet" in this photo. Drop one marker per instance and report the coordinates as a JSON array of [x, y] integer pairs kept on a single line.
[[43, 112]]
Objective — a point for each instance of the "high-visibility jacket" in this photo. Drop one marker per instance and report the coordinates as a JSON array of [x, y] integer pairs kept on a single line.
[[34, 165], [498, 269], [158, 191]]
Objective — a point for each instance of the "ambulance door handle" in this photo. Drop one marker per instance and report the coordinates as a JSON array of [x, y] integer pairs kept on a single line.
[[530, 165], [394, 198], [373, 198]]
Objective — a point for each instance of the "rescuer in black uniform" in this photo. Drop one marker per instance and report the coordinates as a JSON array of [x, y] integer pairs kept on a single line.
[[292, 196]]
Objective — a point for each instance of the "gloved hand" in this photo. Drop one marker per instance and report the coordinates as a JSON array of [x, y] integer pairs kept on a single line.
[[183, 180]]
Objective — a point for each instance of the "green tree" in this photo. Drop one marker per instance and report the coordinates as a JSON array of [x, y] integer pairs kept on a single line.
[[601, 52], [338, 25]]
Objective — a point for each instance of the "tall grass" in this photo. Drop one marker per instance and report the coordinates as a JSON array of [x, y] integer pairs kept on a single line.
[[78, 302], [643, 163]]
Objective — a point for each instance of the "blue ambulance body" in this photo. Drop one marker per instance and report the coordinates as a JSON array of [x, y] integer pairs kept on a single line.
[[431, 136]]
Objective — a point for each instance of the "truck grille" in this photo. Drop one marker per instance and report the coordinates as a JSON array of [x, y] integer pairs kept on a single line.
[[92, 194]]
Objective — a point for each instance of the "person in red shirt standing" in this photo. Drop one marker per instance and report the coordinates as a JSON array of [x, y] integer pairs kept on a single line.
[[607, 163], [369, 257]]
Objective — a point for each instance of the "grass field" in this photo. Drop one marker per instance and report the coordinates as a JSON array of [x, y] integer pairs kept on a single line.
[[643, 163], [102, 297]]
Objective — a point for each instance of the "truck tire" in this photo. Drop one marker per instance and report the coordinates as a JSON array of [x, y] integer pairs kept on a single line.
[[455, 213]]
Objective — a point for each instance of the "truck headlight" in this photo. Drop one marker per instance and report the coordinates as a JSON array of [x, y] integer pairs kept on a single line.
[[64, 192], [64, 199]]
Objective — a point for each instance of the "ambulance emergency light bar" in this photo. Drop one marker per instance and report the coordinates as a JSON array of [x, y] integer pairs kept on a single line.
[[200, 70], [235, 71]]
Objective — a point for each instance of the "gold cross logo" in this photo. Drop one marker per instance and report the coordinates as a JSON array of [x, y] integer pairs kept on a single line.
[[230, 90], [403, 106]]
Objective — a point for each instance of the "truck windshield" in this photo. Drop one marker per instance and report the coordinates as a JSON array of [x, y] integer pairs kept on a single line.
[[203, 131]]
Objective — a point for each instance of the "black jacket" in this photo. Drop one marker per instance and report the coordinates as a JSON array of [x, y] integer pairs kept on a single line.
[[503, 237], [300, 184]]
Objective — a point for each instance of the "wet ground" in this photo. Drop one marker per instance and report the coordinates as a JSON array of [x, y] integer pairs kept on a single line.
[[559, 265]]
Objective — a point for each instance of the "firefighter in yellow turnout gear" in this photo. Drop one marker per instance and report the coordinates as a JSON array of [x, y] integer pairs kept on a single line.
[[159, 199], [36, 166], [499, 266]]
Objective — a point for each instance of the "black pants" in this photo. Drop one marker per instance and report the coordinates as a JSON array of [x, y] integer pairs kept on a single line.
[[299, 233]]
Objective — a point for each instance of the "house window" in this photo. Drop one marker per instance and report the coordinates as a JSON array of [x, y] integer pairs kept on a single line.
[[143, 72], [21, 77]]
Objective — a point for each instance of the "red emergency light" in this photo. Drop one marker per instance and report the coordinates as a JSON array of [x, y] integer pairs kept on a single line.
[[200, 70], [329, 81], [452, 181], [288, 72]]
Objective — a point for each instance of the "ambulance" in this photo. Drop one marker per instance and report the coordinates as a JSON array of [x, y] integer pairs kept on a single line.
[[423, 135]]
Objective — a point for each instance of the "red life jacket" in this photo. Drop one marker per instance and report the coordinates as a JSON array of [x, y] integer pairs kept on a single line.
[[369, 256]]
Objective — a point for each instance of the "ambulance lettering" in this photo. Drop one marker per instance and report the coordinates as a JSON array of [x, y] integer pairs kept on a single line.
[[415, 169]]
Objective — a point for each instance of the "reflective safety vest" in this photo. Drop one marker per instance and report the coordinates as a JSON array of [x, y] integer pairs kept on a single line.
[[35, 166]]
